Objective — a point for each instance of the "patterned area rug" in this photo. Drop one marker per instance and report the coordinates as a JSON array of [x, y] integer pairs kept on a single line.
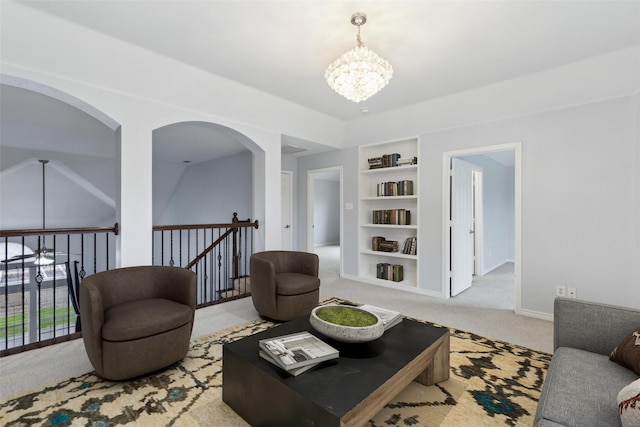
[[492, 383]]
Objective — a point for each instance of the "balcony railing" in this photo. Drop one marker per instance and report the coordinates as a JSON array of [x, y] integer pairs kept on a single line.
[[40, 273], [218, 253]]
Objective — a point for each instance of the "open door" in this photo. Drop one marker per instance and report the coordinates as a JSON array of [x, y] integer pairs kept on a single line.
[[462, 241]]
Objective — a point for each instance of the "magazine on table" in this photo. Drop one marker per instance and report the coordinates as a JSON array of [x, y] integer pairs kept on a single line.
[[294, 351], [389, 318], [293, 371]]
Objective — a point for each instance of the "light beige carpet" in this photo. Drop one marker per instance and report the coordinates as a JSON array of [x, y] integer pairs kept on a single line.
[[492, 383]]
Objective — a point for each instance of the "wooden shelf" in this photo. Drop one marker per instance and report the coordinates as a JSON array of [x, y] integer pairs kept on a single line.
[[369, 201], [388, 254]]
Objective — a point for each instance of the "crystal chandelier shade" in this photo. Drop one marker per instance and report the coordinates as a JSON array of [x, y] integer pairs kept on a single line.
[[359, 73]]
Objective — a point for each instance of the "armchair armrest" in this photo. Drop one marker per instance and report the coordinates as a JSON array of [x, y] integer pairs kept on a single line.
[[263, 283], [92, 315], [591, 326]]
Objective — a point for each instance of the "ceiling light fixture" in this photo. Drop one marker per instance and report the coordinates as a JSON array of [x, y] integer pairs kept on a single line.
[[359, 73]]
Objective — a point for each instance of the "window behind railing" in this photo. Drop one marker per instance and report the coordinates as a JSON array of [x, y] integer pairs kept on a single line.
[[40, 274], [218, 253]]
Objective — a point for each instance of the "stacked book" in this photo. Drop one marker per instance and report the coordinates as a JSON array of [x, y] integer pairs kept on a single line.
[[408, 161], [395, 188], [384, 161], [410, 246], [389, 318], [296, 353], [393, 272], [392, 216], [379, 243]]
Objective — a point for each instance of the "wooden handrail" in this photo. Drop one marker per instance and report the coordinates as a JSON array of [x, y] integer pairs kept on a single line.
[[208, 249], [201, 226], [48, 231]]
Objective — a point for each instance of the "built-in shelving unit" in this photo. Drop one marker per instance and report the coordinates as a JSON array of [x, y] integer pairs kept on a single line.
[[400, 183]]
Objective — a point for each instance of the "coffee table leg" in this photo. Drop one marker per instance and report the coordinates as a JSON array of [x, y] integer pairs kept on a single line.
[[438, 370]]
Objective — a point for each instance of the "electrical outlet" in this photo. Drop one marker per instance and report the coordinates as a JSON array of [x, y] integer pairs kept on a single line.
[[560, 291], [571, 292]]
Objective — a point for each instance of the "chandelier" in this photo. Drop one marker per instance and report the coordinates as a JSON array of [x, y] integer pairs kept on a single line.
[[359, 73]]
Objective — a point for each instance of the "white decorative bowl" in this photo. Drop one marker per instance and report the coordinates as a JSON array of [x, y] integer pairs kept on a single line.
[[348, 334]]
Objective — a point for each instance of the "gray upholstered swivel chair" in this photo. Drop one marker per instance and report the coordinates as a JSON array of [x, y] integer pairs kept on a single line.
[[284, 284], [137, 320]]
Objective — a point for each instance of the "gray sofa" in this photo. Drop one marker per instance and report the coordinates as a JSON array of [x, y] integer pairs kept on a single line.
[[582, 384]]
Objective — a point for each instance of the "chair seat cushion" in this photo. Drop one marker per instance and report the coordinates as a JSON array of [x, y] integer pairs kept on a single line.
[[138, 319], [296, 283]]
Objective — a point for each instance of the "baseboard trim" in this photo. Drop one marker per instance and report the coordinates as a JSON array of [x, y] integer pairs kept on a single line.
[[536, 314]]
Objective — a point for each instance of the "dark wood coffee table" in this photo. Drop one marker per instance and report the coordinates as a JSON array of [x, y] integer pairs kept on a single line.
[[347, 391]]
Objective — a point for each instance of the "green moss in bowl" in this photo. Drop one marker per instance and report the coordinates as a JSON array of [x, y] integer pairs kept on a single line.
[[347, 316]]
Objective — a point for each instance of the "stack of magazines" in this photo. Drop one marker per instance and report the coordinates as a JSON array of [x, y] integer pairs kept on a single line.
[[389, 318], [296, 353]]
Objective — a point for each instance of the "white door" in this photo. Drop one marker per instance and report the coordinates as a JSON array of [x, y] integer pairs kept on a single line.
[[286, 213], [461, 226]]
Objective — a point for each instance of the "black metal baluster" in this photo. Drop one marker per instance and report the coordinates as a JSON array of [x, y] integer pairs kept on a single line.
[[171, 245], [106, 238], [180, 243], [95, 253], [82, 270], [6, 292]]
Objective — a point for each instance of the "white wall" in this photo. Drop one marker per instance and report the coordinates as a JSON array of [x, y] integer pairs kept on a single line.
[[210, 192], [80, 190], [142, 91], [579, 127], [348, 159], [579, 200]]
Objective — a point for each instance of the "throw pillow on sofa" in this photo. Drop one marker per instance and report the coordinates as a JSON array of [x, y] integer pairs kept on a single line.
[[627, 353], [629, 405]]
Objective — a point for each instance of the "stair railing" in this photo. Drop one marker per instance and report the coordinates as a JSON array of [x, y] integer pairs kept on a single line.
[[218, 253]]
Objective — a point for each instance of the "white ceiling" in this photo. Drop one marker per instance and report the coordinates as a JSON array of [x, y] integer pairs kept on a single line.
[[283, 47], [436, 47]]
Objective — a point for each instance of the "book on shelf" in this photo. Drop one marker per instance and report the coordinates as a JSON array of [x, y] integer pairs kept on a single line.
[[407, 161], [395, 188], [391, 216], [387, 271], [389, 318], [410, 246], [384, 161], [405, 187], [293, 352]]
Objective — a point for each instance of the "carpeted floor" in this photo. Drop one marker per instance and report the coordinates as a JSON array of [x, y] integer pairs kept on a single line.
[[492, 383]]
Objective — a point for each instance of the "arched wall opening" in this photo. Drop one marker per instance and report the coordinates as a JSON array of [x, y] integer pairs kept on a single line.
[[202, 174], [80, 144]]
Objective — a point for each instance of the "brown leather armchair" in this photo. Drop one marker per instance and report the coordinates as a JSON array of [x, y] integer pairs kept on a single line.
[[284, 284], [137, 320]]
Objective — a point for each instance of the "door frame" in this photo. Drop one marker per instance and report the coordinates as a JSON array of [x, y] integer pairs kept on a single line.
[[477, 174], [290, 213], [311, 176], [446, 213]]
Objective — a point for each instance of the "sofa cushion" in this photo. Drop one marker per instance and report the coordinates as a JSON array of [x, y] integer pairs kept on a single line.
[[581, 389], [629, 405], [627, 353], [138, 319], [296, 284]]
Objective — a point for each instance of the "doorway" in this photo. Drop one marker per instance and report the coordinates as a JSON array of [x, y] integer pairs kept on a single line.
[[481, 219], [324, 219]]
